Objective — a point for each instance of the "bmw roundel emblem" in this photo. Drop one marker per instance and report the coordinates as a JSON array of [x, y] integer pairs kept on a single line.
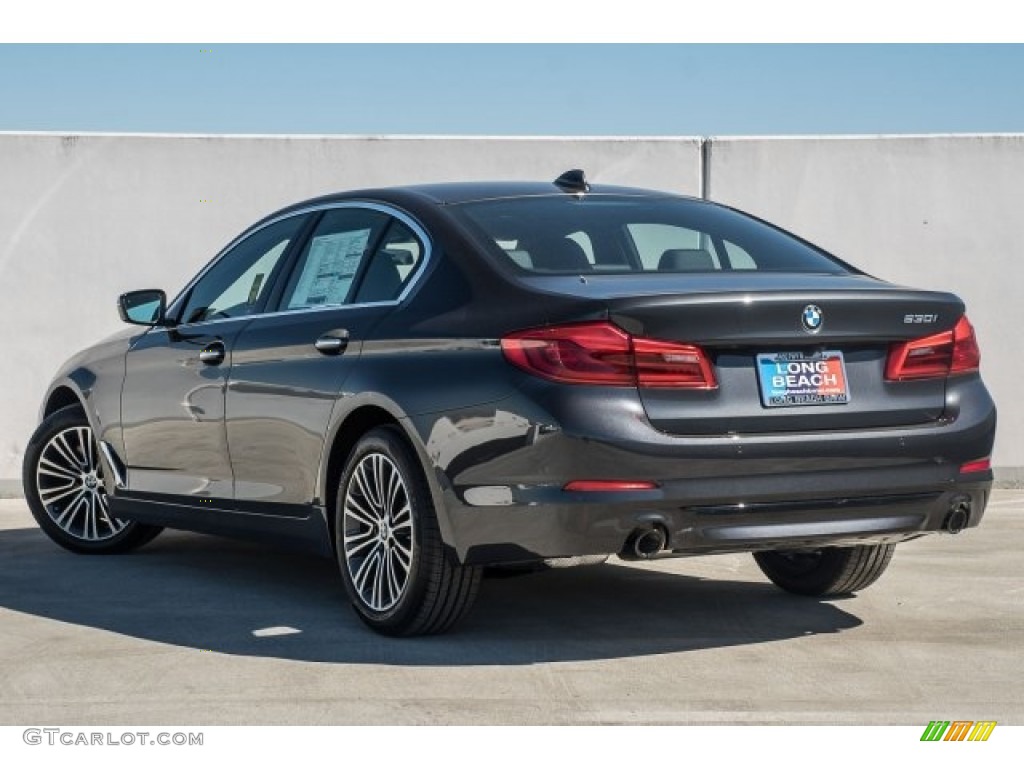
[[812, 318]]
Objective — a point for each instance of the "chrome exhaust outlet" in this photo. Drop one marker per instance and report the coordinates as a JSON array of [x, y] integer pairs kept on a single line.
[[958, 517], [644, 543]]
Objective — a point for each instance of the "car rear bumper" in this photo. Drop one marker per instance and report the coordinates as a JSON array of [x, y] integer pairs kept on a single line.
[[550, 523], [500, 492]]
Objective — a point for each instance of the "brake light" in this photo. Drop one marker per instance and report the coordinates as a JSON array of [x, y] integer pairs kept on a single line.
[[941, 354], [603, 353]]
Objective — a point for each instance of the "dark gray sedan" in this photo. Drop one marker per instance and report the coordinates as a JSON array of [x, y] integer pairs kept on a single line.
[[425, 381]]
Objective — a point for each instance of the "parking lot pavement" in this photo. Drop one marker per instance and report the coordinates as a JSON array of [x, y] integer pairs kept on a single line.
[[172, 635]]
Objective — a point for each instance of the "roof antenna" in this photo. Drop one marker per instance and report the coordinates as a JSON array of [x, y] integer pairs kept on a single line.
[[574, 181]]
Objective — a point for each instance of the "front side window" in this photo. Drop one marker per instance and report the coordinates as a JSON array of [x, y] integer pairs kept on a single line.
[[238, 284], [563, 234]]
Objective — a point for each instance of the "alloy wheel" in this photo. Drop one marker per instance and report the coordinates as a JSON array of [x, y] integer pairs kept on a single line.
[[69, 481], [378, 532]]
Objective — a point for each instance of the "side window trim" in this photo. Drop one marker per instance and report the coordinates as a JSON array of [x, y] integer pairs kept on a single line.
[[276, 305], [306, 231]]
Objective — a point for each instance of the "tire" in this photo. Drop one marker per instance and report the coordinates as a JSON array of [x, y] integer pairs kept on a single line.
[[830, 571], [63, 480], [397, 574]]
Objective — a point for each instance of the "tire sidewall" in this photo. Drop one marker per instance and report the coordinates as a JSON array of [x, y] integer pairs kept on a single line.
[[385, 441]]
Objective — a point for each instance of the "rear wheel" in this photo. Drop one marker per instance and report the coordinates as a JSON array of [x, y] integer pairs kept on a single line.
[[829, 571], [63, 480], [393, 562]]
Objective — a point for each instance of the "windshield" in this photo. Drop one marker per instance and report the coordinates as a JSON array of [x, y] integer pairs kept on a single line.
[[566, 234]]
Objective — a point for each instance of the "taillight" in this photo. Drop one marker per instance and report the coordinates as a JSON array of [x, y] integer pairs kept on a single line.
[[602, 353], [966, 353], [667, 364], [942, 354]]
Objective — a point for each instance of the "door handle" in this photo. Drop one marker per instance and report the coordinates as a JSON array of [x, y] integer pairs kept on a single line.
[[332, 342], [212, 354]]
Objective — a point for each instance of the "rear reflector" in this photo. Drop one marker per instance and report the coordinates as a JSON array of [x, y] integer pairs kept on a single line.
[[603, 353], [942, 354], [610, 485], [980, 465]]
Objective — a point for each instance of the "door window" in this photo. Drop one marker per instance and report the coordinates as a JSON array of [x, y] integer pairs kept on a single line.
[[391, 266], [238, 284], [355, 256]]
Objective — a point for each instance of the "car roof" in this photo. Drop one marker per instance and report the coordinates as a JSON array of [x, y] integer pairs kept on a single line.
[[454, 193], [467, 191]]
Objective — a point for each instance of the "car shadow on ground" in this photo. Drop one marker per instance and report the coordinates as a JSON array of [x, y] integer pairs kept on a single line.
[[212, 594]]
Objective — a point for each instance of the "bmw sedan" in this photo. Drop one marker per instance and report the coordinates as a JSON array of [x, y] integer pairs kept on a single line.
[[423, 382]]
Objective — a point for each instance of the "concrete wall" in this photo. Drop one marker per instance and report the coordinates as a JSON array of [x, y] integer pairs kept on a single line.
[[85, 217]]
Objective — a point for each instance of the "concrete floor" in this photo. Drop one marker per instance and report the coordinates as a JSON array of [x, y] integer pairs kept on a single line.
[[166, 636]]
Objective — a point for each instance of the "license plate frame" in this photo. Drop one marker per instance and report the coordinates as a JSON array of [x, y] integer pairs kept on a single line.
[[798, 379]]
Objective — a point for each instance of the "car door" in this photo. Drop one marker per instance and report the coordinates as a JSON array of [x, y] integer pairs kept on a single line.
[[289, 366], [172, 401]]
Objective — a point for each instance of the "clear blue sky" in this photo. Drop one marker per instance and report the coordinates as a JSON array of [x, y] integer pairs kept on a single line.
[[516, 89]]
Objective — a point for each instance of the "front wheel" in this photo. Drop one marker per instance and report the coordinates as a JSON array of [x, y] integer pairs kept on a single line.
[[393, 562], [63, 480], [830, 571]]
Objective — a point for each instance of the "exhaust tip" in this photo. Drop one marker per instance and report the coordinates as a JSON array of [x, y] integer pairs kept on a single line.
[[644, 543], [958, 517]]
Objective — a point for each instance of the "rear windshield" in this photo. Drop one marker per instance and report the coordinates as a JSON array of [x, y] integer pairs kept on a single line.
[[565, 234]]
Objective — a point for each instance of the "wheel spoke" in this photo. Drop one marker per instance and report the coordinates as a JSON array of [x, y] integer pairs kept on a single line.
[[394, 486], [359, 577], [355, 544], [85, 438], [363, 482], [377, 483], [111, 522], [377, 596], [52, 495], [353, 508], [71, 510], [394, 583], [404, 553], [91, 531], [402, 519], [60, 445], [49, 467]]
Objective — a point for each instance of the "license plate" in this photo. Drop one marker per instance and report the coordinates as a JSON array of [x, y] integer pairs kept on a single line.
[[794, 378]]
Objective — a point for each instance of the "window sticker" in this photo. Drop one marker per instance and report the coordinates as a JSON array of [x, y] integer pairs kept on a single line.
[[329, 269]]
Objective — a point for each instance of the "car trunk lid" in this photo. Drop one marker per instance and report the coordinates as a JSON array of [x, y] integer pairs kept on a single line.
[[755, 327]]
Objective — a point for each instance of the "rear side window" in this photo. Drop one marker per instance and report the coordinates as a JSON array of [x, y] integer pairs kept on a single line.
[[562, 234], [354, 256]]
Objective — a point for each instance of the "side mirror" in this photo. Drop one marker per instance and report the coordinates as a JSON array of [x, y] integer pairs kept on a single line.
[[146, 307]]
